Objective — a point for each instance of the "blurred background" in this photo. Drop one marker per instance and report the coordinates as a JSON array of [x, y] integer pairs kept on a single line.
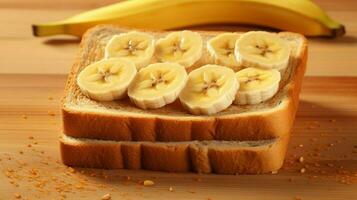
[[20, 52]]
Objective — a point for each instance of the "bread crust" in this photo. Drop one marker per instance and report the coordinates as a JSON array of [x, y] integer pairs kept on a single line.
[[174, 156], [258, 125]]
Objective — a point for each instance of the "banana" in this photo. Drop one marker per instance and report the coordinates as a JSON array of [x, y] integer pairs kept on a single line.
[[256, 85], [221, 48], [183, 47], [209, 89], [262, 49], [302, 16], [107, 79], [135, 46], [157, 85]]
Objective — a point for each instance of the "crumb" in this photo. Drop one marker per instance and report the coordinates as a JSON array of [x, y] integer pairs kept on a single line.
[[332, 120], [71, 170], [29, 145], [128, 178], [21, 152], [274, 172], [31, 137], [301, 145], [302, 170], [51, 113], [198, 179], [301, 159], [50, 98], [148, 183], [106, 197], [298, 198], [24, 116], [17, 195], [171, 189]]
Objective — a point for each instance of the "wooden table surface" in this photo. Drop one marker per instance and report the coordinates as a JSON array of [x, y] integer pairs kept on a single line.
[[32, 77]]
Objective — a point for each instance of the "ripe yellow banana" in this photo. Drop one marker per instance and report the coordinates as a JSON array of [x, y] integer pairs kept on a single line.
[[302, 16]]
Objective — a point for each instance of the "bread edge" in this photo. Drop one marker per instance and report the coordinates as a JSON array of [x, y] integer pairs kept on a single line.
[[174, 156]]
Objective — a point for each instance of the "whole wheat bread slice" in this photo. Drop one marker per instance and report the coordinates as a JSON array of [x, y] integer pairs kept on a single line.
[[122, 121]]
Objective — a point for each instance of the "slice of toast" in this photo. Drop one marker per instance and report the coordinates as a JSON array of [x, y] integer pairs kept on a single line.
[[221, 157], [122, 121], [240, 139]]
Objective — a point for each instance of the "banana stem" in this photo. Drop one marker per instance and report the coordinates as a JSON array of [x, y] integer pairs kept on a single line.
[[47, 29]]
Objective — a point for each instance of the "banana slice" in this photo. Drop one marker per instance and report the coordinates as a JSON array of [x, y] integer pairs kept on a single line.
[[256, 85], [157, 85], [184, 47], [135, 46], [262, 49], [106, 80], [221, 48], [209, 89]]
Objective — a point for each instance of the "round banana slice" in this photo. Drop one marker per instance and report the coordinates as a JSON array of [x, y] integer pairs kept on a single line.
[[209, 89], [256, 85], [106, 80], [157, 85], [135, 46], [221, 48], [184, 47], [263, 50]]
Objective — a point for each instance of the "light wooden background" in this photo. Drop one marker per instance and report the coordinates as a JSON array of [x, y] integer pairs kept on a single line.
[[21, 53], [32, 77]]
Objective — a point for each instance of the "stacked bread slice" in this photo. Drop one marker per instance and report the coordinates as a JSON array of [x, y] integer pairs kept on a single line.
[[117, 134]]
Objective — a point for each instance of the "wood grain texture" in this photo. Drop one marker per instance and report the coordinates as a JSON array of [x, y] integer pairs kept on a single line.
[[22, 53], [29, 106]]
